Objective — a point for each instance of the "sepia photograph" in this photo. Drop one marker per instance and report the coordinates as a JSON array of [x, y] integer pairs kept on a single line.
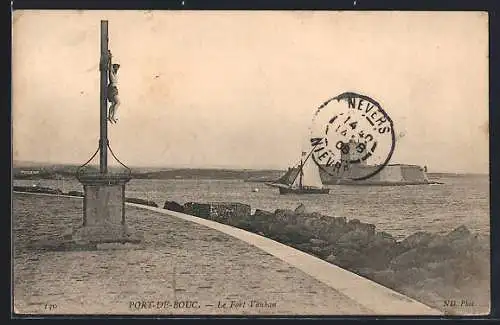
[[264, 163]]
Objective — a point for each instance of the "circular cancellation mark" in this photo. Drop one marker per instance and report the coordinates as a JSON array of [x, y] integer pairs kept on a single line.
[[352, 137]]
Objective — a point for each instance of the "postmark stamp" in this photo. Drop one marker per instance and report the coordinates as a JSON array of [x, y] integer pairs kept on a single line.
[[352, 129]]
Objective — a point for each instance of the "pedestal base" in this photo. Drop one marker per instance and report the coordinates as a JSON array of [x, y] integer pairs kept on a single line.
[[99, 234], [104, 212]]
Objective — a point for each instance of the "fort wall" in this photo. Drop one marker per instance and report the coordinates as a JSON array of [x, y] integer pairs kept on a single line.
[[391, 174]]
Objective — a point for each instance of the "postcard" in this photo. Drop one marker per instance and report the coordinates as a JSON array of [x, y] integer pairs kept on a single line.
[[314, 163]]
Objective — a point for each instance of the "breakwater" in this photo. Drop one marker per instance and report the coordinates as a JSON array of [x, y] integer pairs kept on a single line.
[[449, 271]]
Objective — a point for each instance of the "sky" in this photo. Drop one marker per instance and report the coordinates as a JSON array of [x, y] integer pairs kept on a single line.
[[239, 89]]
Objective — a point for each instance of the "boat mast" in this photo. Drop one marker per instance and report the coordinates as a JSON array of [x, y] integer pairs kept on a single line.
[[300, 173]]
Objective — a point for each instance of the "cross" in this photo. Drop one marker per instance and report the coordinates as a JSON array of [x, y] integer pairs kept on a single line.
[[103, 67]]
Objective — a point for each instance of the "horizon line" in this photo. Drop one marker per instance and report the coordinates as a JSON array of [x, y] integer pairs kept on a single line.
[[212, 167]]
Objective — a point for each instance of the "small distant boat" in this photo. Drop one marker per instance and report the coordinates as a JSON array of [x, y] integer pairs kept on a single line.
[[307, 180]]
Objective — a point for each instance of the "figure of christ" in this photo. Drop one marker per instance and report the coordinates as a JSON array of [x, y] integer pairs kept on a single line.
[[113, 89]]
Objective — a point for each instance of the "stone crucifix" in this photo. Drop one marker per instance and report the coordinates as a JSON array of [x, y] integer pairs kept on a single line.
[[113, 88], [104, 219]]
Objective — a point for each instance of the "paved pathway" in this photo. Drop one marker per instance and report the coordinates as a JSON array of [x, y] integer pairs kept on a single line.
[[205, 270]]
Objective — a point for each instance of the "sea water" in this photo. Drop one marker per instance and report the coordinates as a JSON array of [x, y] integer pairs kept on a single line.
[[398, 210]]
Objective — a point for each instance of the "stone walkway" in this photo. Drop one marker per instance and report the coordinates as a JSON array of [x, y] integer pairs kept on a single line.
[[355, 287], [182, 268]]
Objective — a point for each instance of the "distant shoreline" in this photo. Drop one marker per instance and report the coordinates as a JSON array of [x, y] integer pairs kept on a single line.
[[184, 173], [247, 175]]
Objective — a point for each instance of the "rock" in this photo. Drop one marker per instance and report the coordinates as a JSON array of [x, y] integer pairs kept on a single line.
[[340, 221], [324, 229], [331, 258], [141, 201], [458, 271], [173, 206], [462, 242], [274, 225], [366, 227], [286, 216], [261, 216], [333, 237], [262, 220], [229, 212], [244, 223], [315, 250], [354, 222], [312, 225], [357, 225], [328, 250], [414, 276], [305, 247], [201, 210], [383, 239], [283, 238], [337, 222], [318, 242], [469, 247], [308, 222], [405, 260], [351, 259], [354, 240], [308, 219], [379, 260], [386, 278], [459, 233], [314, 215], [295, 234], [420, 238], [381, 248], [419, 256], [444, 269], [300, 209], [454, 244], [432, 283], [437, 241], [333, 229]]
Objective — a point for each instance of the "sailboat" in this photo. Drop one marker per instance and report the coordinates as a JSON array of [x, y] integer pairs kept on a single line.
[[306, 181]]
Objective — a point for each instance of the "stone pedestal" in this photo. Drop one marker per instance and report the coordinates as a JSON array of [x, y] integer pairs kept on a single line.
[[104, 211]]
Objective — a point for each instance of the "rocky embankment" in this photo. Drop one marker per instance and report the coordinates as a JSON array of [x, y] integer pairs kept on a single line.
[[450, 272]]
